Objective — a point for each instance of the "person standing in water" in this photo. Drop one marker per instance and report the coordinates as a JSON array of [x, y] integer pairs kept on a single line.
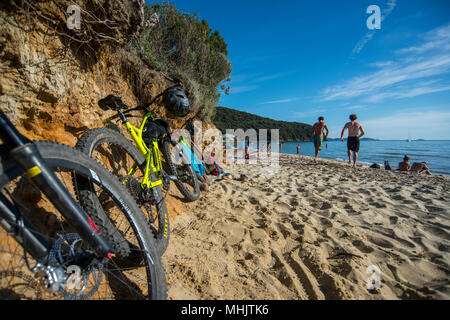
[[318, 137], [355, 132], [298, 148]]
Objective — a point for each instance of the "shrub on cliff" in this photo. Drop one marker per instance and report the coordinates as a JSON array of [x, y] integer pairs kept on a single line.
[[188, 51]]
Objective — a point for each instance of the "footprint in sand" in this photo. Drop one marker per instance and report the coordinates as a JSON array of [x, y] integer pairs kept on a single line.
[[253, 201], [261, 223], [393, 219], [433, 209], [350, 210], [443, 248], [337, 233], [326, 206], [380, 204], [297, 226], [225, 188], [398, 197], [326, 223], [364, 191], [381, 242], [441, 233], [361, 246], [340, 199], [284, 230], [294, 202]]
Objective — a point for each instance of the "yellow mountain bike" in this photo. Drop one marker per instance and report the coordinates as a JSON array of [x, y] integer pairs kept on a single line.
[[139, 166]]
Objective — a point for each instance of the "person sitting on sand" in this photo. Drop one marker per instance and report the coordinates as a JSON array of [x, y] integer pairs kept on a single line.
[[420, 167], [318, 137], [404, 165], [354, 128]]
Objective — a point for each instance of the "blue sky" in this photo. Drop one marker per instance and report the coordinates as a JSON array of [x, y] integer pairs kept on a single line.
[[297, 60]]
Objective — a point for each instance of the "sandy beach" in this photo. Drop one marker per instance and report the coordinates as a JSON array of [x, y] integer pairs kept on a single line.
[[313, 231]]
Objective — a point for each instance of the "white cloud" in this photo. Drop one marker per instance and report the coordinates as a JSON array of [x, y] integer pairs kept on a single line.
[[406, 93], [270, 77], [437, 39], [411, 74], [240, 89], [421, 124], [252, 81], [357, 107], [388, 76], [279, 101], [307, 113]]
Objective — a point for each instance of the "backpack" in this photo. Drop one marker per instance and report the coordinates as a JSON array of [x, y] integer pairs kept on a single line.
[[154, 129]]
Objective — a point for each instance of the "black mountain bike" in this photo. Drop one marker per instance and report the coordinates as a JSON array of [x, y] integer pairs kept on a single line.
[[52, 246]]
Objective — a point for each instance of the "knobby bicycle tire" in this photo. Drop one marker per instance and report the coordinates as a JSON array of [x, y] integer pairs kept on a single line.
[[74, 163], [92, 141], [189, 195]]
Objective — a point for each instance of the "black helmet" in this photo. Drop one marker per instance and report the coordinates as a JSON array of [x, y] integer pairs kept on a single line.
[[177, 102]]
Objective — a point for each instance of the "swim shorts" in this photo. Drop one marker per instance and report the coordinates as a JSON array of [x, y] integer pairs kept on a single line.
[[318, 139], [353, 144]]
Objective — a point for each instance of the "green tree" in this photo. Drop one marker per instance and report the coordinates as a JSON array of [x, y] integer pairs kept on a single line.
[[187, 50]]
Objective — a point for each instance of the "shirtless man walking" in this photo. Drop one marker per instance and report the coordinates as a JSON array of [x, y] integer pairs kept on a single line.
[[354, 129], [317, 132]]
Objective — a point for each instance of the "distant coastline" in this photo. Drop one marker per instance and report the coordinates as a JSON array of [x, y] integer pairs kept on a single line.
[[362, 139]]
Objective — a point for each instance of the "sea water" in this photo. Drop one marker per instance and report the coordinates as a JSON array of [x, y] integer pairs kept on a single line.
[[436, 153]]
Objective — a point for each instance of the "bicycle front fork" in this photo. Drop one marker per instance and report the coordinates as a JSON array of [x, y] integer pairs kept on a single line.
[[29, 158]]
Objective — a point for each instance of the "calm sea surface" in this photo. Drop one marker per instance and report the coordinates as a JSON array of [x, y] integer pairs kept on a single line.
[[436, 153]]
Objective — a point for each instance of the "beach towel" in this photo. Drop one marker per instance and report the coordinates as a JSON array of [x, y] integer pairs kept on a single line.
[[197, 164], [213, 166]]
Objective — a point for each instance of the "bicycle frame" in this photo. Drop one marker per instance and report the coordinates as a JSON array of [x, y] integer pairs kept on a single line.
[[25, 158], [152, 155]]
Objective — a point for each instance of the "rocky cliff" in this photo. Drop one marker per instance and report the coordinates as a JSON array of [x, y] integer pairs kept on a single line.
[[52, 76]]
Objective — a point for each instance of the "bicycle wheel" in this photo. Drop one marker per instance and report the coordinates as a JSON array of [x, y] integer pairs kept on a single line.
[[135, 272], [187, 181], [118, 154]]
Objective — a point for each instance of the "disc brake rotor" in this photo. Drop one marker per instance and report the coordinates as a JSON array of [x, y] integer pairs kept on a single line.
[[84, 272]]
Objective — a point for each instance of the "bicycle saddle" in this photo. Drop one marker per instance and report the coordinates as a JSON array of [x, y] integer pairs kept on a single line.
[[113, 102]]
